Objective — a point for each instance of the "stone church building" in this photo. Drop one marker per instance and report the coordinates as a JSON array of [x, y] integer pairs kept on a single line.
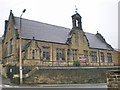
[[50, 45]]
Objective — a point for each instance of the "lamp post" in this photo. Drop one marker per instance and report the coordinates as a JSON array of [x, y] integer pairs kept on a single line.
[[20, 49]]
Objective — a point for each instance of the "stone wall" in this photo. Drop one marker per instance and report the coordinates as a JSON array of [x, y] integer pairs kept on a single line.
[[116, 55], [4, 71], [113, 79], [68, 58], [69, 75], [0, 55]]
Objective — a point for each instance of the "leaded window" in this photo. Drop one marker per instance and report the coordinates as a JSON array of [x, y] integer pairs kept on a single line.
[[74, 54], [11, 41], [102, 56], [45, 54], [60, 54], [109, 57], [33, 54], [6, 48], [94, 56]]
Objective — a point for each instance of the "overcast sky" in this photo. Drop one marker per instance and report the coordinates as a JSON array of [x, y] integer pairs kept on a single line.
[[97, 15]]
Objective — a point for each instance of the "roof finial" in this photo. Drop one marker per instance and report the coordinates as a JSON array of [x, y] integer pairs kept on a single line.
[[76, 9], [33, 38], [10, 11]]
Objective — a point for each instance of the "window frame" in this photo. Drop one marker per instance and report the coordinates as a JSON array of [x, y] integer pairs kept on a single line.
[[6, 49], [11, 46], [45, 53], [93, 56], [33, 54], [109, 57], [60, 54], [74, 54], [102, 58]]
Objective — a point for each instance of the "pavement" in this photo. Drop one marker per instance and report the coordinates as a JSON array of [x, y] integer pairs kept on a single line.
[[5, 82], [98, 85], [82, 67]]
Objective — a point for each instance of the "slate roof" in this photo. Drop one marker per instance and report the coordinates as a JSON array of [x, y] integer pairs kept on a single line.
[[95, 42], [42, 31], [51, 33]]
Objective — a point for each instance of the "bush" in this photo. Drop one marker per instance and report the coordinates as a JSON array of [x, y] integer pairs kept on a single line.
[[76, 63]]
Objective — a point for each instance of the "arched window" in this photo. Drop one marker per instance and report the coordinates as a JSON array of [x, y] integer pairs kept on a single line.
[[76, 23], [11, 41], [33, 54], [6, 49]]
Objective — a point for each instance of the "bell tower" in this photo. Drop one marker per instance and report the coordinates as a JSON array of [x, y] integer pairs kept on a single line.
[[76, 21]]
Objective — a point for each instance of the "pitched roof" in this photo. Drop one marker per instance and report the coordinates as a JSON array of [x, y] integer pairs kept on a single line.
[[96, 42], [42, 31], [51, 33]]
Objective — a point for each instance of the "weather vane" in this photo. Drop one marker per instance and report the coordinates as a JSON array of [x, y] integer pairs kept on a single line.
[[76, 9]]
